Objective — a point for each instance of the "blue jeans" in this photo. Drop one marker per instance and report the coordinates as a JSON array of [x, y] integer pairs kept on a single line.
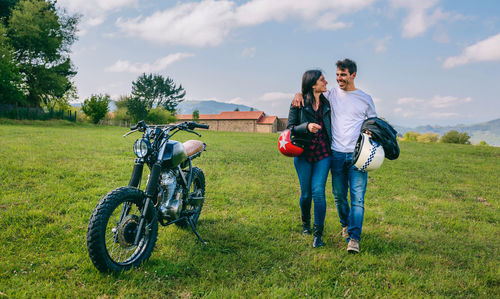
[[312, 179], [346, 177]]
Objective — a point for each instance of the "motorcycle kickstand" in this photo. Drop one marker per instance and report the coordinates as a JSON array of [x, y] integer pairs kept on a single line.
[[195, 231]]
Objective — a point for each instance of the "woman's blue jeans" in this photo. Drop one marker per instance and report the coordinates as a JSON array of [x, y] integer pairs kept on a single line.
[[346, 177], [312, 178]]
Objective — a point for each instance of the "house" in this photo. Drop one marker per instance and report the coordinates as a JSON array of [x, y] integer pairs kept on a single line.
[[237, 121]]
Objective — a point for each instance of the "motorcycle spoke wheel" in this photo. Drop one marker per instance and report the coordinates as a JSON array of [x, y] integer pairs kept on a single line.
[[197, 190], [113, 227], [120, 236]]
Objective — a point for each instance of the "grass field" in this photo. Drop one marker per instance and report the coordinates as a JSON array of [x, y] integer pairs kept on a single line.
[[431, 222]]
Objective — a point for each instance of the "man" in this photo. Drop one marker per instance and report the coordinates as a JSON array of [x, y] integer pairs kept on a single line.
[[350, 107]]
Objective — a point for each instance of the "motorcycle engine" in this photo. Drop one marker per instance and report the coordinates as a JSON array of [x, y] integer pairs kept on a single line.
[[171, 196]]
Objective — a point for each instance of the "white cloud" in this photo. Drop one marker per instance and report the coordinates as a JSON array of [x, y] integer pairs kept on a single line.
[[276, 101], [441, 37], [94, 11], [485, 50], [410, 101], [272, 103], [435, 108], [208, 22], [447, 101], [197, 24], [249, 52], [158, 65], [422, 15], [381, 44], [439, 115], [94, 6]]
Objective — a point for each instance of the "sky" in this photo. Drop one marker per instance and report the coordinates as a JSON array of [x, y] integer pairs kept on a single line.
[[424, 62]]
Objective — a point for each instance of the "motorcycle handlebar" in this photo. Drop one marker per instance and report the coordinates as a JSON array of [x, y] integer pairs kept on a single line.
[[201, 126], [140, 125]]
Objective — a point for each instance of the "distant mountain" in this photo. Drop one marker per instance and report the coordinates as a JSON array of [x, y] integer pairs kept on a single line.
[[488, 131], [208, 107]]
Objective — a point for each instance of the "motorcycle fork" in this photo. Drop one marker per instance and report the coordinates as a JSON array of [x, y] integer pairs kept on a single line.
[[151, 190], [135, 182]]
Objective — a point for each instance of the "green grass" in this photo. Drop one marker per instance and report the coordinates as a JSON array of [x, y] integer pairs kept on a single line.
[[431, 222]]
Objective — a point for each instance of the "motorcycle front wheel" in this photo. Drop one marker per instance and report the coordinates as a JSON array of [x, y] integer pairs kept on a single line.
[[113, 227]]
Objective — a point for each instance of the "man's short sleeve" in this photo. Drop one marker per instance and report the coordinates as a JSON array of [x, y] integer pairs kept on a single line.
[[370, 112]]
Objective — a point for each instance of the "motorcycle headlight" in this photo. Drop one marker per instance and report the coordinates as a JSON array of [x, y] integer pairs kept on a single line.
[[142, 147]]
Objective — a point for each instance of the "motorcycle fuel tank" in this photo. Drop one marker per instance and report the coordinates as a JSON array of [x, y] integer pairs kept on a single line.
[[173, 155]]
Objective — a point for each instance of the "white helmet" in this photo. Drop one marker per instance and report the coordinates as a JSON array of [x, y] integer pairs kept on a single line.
[[368, 154]]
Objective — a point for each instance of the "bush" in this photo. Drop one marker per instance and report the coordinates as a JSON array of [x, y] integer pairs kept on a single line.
[[160, 116], [410, 136], [483, 143], [454, 136], [96, 107], [428, 137], [121, 114]]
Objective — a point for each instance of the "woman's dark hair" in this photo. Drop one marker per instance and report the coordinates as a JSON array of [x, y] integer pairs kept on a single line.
[[308, 80]]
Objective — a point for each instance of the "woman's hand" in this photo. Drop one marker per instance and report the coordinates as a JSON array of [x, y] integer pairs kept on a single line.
[[313, 128]]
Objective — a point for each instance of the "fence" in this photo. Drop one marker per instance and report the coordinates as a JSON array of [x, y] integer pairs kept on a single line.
[[114, 122], [35, 113]]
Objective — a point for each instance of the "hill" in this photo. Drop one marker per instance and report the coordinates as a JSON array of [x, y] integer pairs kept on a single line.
[[488, 131]]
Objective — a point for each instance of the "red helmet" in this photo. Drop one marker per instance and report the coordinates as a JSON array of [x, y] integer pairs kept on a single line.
[[287, 147]]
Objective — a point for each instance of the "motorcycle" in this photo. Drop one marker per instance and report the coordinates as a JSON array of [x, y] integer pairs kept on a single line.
[[123, 228]]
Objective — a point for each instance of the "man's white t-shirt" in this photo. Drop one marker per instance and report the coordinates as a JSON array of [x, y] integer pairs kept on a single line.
[[349, 110]]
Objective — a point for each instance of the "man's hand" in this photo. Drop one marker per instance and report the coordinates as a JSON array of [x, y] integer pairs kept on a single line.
[[298, 101], [313, 128]]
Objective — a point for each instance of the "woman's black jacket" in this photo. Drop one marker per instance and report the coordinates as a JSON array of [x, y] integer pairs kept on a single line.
[[299, 118]]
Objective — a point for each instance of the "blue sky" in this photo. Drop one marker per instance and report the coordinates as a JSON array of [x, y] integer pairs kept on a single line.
[[423, 61]]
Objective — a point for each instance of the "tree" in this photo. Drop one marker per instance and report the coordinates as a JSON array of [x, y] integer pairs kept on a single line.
[[428, 137], [136, 108], [41, 36], [62, 103], [96, 107], [236, 109], [155, 91], [10, 79], [411, 136], [196, 115], [454, 136], [5, 9]]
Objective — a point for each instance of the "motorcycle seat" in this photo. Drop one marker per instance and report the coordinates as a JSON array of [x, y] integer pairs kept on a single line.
[[193, 146]]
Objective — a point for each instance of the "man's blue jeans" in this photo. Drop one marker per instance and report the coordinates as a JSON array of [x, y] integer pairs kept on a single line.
[[346, 177], [312, 179]]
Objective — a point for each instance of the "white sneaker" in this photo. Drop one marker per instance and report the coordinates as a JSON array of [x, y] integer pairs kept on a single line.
[[353, 246], [345, 234]]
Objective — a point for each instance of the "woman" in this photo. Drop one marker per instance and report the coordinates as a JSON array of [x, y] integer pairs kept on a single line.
[[313, 122]]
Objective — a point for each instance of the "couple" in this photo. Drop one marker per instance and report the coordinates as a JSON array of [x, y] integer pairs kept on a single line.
[[333, 119]]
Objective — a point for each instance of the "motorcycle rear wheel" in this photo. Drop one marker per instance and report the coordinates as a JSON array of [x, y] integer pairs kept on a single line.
[[198, 190], [110, 240]]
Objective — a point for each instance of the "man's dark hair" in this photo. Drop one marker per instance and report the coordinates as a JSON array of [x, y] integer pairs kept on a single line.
[[347, 64]]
